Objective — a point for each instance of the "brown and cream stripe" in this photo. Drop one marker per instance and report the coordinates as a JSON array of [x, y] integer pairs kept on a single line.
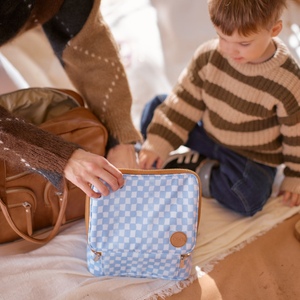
[[253, 110]]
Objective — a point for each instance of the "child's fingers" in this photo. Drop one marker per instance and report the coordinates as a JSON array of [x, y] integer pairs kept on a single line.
[[287, 196], [145, 162], [294, 200], [159, 163], [149, 163], [142, 161]]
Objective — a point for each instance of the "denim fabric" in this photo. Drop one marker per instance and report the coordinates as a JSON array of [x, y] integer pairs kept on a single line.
[[238, 183]]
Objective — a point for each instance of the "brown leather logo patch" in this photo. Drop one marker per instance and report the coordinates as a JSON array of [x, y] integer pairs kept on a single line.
[[178, 239]]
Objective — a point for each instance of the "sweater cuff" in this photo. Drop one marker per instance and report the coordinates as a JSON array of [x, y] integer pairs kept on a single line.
[[122, 130], [158, 145], [291, 184]]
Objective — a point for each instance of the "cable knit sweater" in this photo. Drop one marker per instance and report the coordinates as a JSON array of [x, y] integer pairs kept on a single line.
[[252, 109], [86, 49]]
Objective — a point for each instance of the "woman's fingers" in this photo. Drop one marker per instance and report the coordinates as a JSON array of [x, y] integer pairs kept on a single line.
[[113, 176], [84, 168], [99, 185], [86, 188]]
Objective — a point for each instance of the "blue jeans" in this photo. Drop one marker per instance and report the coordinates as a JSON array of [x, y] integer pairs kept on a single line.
[[238, 183]]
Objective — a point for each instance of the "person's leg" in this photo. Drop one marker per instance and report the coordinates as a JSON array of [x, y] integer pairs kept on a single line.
[[242, 185], [148, 112], [236, 182]]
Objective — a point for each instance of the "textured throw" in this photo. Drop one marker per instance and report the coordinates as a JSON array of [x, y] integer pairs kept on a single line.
[[59, 271]]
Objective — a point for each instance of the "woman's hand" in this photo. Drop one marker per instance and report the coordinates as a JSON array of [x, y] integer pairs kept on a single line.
[[123, 156], [84, 169]]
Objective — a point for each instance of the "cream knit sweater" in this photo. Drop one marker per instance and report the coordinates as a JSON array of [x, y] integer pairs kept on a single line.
[[252, 109]]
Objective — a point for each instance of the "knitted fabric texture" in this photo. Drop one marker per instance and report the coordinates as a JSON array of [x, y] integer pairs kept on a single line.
[[23, 144], [86, 48], [252, 109]]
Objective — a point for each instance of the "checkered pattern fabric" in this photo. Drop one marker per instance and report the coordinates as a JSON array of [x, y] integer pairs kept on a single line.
[[132, 227]]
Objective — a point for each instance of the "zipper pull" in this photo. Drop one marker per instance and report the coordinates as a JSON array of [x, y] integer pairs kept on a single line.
[[182, 259], [97, 256]]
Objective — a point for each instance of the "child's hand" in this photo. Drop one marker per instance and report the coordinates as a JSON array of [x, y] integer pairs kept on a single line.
[[294, 198], [148, 158]]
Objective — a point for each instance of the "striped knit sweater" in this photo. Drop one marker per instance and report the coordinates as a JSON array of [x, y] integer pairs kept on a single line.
[[253, 110]]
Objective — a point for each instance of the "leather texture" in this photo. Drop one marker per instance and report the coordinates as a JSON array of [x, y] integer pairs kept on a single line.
[[29, 203]]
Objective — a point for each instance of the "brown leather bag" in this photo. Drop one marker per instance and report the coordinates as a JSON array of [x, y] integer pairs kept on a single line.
[[29, 203]]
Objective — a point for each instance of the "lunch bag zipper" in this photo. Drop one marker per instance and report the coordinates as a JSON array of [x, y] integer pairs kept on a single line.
[[183, 257]]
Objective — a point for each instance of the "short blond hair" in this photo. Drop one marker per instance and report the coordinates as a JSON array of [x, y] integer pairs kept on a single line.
[[245, 16]]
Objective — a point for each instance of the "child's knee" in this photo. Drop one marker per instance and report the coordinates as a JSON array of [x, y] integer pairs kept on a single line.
[[250, 203]]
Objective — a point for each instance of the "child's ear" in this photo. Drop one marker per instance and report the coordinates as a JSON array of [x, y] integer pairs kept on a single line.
[[276, 29]]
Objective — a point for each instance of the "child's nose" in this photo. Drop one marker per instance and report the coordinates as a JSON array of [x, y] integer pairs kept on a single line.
[[232, 50]]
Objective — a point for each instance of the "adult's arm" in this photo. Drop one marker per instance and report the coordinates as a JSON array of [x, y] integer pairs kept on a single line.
[[86, 49], [25, 146]]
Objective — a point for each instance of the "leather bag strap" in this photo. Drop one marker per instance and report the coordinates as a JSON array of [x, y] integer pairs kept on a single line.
[[8, 218], [3, 181]]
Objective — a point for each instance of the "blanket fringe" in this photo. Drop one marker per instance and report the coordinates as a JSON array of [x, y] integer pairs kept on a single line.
[[172, 289]]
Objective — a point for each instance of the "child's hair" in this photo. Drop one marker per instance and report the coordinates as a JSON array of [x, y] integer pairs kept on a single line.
[[245, 16]]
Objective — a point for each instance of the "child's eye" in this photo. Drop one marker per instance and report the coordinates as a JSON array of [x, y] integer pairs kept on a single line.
[[245, 45]]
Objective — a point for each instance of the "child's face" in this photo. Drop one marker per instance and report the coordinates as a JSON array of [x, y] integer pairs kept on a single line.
[[255, 48]]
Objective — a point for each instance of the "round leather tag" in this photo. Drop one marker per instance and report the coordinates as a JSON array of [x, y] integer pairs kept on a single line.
[[178, 239]]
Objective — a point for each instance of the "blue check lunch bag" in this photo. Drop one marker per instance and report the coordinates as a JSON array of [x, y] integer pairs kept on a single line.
[[148, 228]]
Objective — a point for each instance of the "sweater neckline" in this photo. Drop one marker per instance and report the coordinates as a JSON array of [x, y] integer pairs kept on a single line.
[[279, 57]]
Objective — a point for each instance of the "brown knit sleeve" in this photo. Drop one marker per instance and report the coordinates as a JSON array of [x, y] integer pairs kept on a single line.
[[27, 146], [86, 48]]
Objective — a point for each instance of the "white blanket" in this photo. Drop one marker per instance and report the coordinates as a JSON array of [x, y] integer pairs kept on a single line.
[[58, 270]]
